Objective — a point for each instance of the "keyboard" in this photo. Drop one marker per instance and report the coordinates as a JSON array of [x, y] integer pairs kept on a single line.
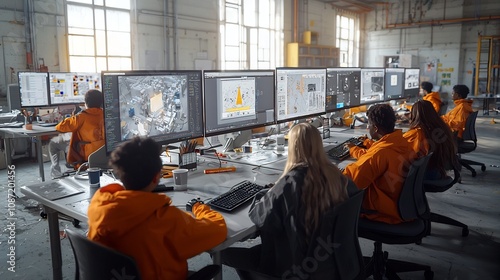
[[163, 188], [341, 152], [47, 124], [236, 196]]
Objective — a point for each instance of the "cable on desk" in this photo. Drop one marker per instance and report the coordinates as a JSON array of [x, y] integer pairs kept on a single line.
[[256, 169]]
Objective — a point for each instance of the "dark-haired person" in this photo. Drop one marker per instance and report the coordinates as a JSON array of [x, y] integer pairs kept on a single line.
[[290, 212], [429, 133], [144, 225], [87, 134], [381, 167], [457, 117], [431, 96]]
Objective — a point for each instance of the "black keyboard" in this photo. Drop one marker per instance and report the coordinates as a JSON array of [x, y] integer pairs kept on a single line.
[[163, 188], [341, 152], [236, 196]]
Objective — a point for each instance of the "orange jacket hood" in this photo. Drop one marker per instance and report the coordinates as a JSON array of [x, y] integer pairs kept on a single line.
[[435, 99]]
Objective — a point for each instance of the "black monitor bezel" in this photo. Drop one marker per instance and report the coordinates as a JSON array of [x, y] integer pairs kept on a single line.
[[276, 93], [230, 130], [412, 93], [47, 90], [361, 103], [403, 70], [153, 73]]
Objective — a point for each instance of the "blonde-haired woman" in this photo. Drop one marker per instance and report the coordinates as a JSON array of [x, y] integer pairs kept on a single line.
[[289, 213]]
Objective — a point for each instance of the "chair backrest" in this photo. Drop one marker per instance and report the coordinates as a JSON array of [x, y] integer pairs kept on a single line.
[[412, 203], [339, 229], [444, 184], [96, 262], [99, 159], [470, 128]]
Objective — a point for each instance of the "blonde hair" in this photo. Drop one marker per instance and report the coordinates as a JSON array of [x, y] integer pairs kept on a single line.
[[324, 185]]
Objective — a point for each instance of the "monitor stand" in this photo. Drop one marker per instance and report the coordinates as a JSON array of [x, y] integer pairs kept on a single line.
[[235, 140]]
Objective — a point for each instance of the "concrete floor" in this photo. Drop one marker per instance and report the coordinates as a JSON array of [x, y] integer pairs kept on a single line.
[[451, 256]]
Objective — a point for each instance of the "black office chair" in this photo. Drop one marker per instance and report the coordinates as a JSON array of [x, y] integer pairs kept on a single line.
[[442, 185], [339, 226], [469, 144], [97, 262], [412, 208]]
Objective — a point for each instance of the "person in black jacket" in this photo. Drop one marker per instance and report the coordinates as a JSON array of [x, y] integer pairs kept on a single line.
[[289, 213]]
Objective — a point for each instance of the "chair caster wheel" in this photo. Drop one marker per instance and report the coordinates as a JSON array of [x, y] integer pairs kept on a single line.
[[429, 275], [483, 167], [465, 231], [473, 173], [43, 215], [76, 223]]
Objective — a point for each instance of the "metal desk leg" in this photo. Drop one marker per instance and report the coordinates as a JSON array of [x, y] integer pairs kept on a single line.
[[216, 258], [39, 156], [55, 243], [8, 151]]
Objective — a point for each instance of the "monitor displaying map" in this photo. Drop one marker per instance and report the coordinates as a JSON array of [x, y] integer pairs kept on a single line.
[[300, 93], [238, 100], [70, 88]]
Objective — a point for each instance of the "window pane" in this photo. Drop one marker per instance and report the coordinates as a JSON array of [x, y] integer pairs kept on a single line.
[[232, 53], [232, 14], [122, 4], [99, 19], [232, 35], [264, 17], [81, 45], [344, 22], [231, 65], [101, 64], [118, 21], [79, 16], [119, 63], [249, 13], [99, 2], [233, 1], [343, 45], [100, 42], [81, 1], [82, 64], [344, 33], [119, 43], [253, 56]]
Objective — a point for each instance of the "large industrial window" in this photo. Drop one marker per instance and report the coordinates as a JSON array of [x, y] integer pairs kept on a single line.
[[347, 38], [98, 35], [251, 34]]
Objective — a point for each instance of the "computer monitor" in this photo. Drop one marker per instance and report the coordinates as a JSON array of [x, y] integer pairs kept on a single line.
[[70, 88], [412, 82], [33, 89], [164, 105], [343, 88], [300, 93], [238, 100], [372, 85], [394, 83]]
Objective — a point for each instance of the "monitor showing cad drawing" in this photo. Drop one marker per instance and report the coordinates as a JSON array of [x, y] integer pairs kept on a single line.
[[343, 88], [70, 88]]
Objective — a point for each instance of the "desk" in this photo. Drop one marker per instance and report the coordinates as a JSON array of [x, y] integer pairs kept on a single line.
[[487, 98], [36, 133], [199, 185]]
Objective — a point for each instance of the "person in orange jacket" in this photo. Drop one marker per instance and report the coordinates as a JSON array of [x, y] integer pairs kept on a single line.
[[429, 133], [431, 96], [144, 225], [85, 133], [381, 167], [457, 117]]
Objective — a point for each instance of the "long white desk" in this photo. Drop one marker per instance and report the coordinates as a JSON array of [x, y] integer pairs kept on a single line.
[[199, 185], [36, 134], [487, 100]]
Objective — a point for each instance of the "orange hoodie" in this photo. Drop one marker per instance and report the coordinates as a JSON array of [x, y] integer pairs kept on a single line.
[[418, 141], [87, 136], [158, 236], [435, 99], [457, 117], [381, 171]]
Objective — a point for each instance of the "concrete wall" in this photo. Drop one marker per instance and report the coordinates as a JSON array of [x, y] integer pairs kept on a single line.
[[451, 45]]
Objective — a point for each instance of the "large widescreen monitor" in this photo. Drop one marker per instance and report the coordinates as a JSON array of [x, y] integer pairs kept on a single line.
[[238, 100], [300, 93], [70, 88], [412, 82], [343, 88], [164, 105], [372, 85], [394, 83], [33, 89]]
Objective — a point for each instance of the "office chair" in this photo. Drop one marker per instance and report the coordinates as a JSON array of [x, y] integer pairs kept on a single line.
[[441, 186], [469, 144], [412, 208], [339, 226], [97, 262]]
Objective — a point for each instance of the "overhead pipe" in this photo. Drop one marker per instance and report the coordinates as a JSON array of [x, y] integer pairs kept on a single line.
[[27, 35], [295, 20], [166, 33], [175, 43]]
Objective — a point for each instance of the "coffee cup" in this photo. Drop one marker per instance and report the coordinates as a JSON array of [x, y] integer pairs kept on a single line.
[[94, 175], [180, 179]]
